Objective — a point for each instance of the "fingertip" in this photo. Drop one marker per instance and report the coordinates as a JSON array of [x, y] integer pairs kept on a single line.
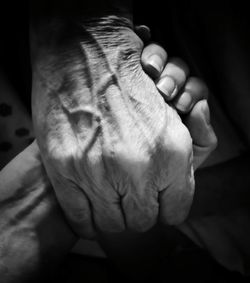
[[153, 60], [166, 86], [194, 90], [143, 32], [184, 102], [173, 78], [152, 70]]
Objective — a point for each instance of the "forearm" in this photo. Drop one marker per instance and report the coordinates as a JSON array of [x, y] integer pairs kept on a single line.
[[33, 235], [46, 17], [56, 24], [222, 187], [104, 131]]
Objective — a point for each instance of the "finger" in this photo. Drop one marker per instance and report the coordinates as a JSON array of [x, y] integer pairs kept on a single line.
[[143, 32], [140, 206], [172, 78], [177, 194], [89, 211], [135, 207], [105, 204], [201, 131], [107, 214], [193, 91], [76, 207], [176, 199], [153, 60]]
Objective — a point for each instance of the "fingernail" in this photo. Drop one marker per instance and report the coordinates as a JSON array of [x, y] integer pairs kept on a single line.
[[145, 28], [166, 85], [156, 62], [184, 102], [144, 33]]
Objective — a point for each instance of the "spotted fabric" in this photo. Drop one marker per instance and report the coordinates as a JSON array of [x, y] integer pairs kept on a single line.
[[15, 123]]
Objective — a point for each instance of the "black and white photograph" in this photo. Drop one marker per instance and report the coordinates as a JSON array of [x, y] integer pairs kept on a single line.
[[124, 141]]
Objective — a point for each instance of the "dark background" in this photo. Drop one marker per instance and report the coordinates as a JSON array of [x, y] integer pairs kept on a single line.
[[203, 34]]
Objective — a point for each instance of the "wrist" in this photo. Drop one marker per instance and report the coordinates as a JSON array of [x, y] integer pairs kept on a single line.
[[54, 20], [59, 36], [95, 47], [33, 232]]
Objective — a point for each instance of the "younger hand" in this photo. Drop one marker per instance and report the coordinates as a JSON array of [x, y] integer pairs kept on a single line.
[[187, 94]]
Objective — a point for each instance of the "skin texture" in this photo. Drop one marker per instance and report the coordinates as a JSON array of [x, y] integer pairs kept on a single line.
[[116, 153], [31, 223], [34, 235], [188, 95]]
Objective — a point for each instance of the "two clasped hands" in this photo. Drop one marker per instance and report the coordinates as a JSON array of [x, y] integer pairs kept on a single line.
[[120, 129]]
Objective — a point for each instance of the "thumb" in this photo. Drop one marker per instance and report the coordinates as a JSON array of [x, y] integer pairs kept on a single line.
[[201, 131]]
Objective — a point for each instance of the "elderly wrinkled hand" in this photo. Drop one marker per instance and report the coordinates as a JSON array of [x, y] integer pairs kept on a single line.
[[117, 155]]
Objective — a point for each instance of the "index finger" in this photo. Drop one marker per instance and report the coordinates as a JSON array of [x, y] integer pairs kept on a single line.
[[153, 60]]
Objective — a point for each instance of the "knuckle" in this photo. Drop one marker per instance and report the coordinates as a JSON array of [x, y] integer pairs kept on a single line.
[[181, 139], [184, 103], [180, 64]]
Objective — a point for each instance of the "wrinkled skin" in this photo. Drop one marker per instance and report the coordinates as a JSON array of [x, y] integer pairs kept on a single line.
[[117, 155]]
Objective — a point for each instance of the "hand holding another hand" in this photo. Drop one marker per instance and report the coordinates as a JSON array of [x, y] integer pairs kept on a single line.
[[117, 155]]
